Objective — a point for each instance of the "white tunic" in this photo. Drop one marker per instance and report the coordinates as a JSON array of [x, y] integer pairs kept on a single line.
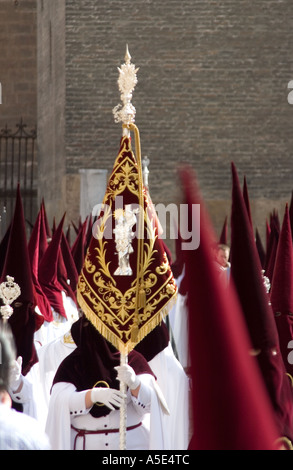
[[67, 408], [174, 384]]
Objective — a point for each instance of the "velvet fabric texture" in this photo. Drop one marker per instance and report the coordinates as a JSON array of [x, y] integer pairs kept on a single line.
[[34, 254], [48, 272], [246, 273], [17, 265], [230, 407], [281, 293], [117, 304], [69, 263]]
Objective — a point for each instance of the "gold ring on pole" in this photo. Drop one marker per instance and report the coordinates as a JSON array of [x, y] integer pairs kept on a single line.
[[102, 382]]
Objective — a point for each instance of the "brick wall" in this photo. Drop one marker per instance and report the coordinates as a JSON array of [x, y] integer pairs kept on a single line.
[[18, 62], [211, 89], [18, 76], [51, 106]]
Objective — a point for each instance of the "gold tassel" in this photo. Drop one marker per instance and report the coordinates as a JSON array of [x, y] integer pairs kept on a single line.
[[134, 334], [141, 298]]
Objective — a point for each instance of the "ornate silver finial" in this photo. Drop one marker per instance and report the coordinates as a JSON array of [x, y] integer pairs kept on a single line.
[[126, 82], [9, 291]]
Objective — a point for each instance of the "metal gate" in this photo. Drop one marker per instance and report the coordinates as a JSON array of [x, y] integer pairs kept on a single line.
[[18, 164]]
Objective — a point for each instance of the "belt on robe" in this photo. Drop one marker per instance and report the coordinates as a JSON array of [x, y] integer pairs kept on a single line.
[[83, 432]]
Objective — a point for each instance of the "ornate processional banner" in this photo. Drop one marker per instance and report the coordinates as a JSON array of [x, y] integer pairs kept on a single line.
[[124, 299]]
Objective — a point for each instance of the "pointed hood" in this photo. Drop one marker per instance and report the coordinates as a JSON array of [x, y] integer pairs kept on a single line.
[[45, 220], [291, 213], [246, 200], [260, 248], [272, 250], [282, 289], [54, 226], [34, 252], [177, 265], [72, 274], [48, 272], [78, 248], [17, 265], [68, 234], [246, 273], [62, 274], [223, 240], [44, 238], [268, 232], [230, 407]]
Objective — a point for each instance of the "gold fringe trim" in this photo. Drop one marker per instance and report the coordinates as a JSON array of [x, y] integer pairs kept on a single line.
[[143, 330]]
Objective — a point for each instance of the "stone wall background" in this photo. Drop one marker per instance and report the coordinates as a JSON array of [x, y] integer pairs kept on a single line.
[[212, 88]]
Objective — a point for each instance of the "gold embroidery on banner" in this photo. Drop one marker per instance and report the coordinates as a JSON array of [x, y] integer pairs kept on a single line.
[[126, 177], [121, 305], [111, 311], [163, 269]]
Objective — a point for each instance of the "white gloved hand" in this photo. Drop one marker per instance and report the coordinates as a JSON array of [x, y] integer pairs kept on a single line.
[[15, 378], [108, 396], [6, 311], [127, 375]]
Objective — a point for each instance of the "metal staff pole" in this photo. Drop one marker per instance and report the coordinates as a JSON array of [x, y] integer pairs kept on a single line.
[[126, 114], [123, 408]]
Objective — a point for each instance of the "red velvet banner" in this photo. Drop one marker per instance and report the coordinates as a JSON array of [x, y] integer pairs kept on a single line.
[[108, 291]]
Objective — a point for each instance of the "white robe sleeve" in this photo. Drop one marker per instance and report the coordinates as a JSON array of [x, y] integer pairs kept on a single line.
[[65, 402], [150, 404], [174, 384], [58, 426]]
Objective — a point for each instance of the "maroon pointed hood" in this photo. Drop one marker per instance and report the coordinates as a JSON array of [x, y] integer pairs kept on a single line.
[[68, 234], [62, 274], [34, 252], [246, 273], [78, 247], [45, 220], [223, 240], [272, 250], [17, 265], [72, 274], [260, 248], [44, 238], [291, 213], [48, 272], [230, 407], [246, 200], [282, 289], [178, 263]]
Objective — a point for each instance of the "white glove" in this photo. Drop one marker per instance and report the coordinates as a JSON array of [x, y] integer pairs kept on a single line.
[[108, 396], [6, 311], [15, 378], [127, 375]]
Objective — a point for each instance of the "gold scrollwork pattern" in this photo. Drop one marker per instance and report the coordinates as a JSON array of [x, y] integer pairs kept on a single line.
[[108, 302]]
